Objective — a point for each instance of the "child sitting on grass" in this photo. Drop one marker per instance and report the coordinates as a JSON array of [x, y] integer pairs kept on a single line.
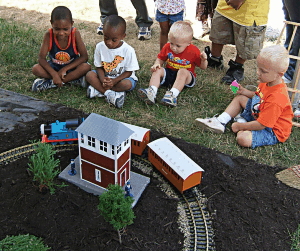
[[67, 52], [115, 63], [267, 115], [182, 57]]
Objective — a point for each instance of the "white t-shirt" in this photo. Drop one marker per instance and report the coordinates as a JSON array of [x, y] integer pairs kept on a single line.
[[116, 61]]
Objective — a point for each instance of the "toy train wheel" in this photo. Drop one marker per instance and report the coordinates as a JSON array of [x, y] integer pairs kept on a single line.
[[61, 142], [70, 142], [54, 143]]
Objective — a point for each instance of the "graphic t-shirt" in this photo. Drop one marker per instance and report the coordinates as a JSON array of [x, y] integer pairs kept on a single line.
[[62, 56], [272, 108], [116, 61], [187, 59], [250, 11], [170, 7]]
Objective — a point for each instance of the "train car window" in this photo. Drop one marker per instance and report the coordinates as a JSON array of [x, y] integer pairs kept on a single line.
[[134, 142], [138, 143], [103, 146], [91, 141]]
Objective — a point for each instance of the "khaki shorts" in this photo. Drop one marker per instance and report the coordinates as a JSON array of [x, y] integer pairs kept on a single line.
[[247, 39]]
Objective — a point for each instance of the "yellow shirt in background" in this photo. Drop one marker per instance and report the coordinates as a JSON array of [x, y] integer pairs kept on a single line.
[[250, 11]]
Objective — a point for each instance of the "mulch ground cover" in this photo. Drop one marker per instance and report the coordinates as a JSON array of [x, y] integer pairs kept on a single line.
[[250, 208]]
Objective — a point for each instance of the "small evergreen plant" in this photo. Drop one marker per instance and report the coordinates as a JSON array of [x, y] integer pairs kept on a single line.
[[44, 166], [116, 209], [22, 243]]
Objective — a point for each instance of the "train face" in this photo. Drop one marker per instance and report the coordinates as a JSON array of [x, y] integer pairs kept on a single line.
[[60, 132]]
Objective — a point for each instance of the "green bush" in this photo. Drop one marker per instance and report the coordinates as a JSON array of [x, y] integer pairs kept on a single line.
[[115, 208], [23, 243], [44, 166]]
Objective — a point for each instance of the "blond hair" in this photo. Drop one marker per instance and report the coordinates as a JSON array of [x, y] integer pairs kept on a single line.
[[277, 56], [181, 29]]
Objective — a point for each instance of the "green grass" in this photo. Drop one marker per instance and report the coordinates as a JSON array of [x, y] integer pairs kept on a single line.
[[295, 240], [19, 49]]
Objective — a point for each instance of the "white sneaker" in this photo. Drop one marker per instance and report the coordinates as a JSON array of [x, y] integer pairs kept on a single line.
[[147, 95], [238, 118], [211, 124], [41, 84], [116, 98], [100, 29], [144, 33], [92, 93]]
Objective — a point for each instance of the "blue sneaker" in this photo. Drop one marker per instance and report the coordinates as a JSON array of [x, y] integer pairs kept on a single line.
[[41, 84], [100, 29], [169, 100], [147, 95], [80, 82]]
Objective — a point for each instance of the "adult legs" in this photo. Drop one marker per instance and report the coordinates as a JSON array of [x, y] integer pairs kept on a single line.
[[107, 8], [291, 9], [142, 17]]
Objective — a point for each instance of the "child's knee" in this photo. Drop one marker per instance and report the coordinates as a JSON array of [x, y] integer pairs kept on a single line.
[[35, 69], [244, 138], [90, 76]]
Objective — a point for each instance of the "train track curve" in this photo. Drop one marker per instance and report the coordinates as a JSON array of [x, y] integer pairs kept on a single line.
[[199, 221], [27, 150]]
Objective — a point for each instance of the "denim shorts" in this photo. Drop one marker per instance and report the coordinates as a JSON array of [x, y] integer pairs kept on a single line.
[[170, 77], [133, 82], [160, 17], [263, 137]]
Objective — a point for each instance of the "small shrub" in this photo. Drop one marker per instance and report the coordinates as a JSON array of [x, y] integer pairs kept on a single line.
[[115, 208], [23, 243], [295, 238], [43, 166]]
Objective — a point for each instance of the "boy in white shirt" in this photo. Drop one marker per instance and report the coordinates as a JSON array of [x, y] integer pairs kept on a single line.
[[115, 63]]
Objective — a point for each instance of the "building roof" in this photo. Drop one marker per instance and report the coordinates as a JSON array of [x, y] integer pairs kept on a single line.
[[139, 132], [108, 130], [174, 157]]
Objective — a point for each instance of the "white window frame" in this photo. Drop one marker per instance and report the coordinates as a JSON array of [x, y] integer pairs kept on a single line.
[[97, 175]]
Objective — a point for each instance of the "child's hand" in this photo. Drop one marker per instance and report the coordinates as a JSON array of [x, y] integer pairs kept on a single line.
[[62, 73], [235, 127], [108, 83], [57, 81], [241, 90], [154, 67], [236, 4], [203, 56]]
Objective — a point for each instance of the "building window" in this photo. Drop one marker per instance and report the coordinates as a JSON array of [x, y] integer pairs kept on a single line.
[[103, 146], [119, 148], [91, 141], [112, 150], [126, 142], [82, 138], [97, 175]]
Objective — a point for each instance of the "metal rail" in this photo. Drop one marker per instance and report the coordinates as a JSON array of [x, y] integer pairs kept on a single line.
[[198, 218], [25, 151]]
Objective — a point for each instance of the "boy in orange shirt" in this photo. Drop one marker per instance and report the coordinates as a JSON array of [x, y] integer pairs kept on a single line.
[[267, 115]]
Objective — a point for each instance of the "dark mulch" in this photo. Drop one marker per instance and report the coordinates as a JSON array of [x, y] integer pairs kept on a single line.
[[251, 209]]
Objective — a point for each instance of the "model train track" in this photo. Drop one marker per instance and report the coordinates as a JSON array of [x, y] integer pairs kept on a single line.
[[25, 151], [199, 221]]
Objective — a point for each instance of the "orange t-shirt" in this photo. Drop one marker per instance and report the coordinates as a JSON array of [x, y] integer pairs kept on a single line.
[[272, 108]]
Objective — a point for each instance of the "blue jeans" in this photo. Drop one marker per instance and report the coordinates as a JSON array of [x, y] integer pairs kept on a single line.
[[262, 137], [291, 10], [160, 17]]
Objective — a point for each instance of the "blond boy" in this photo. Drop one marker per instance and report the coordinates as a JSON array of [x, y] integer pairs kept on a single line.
[[181, 58], [267, 115]]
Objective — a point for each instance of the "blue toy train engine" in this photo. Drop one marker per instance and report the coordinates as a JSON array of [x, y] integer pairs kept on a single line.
[[60, 132]]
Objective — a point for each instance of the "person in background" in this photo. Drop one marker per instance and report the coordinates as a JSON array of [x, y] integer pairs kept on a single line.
[[143, 21], [167, 13], [242, 23]]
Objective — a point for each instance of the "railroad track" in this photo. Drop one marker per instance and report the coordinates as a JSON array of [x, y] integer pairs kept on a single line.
[[201, 232], [199, 222], [25, 151]]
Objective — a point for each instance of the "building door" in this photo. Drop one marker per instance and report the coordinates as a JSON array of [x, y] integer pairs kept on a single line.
[[123, 178]]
